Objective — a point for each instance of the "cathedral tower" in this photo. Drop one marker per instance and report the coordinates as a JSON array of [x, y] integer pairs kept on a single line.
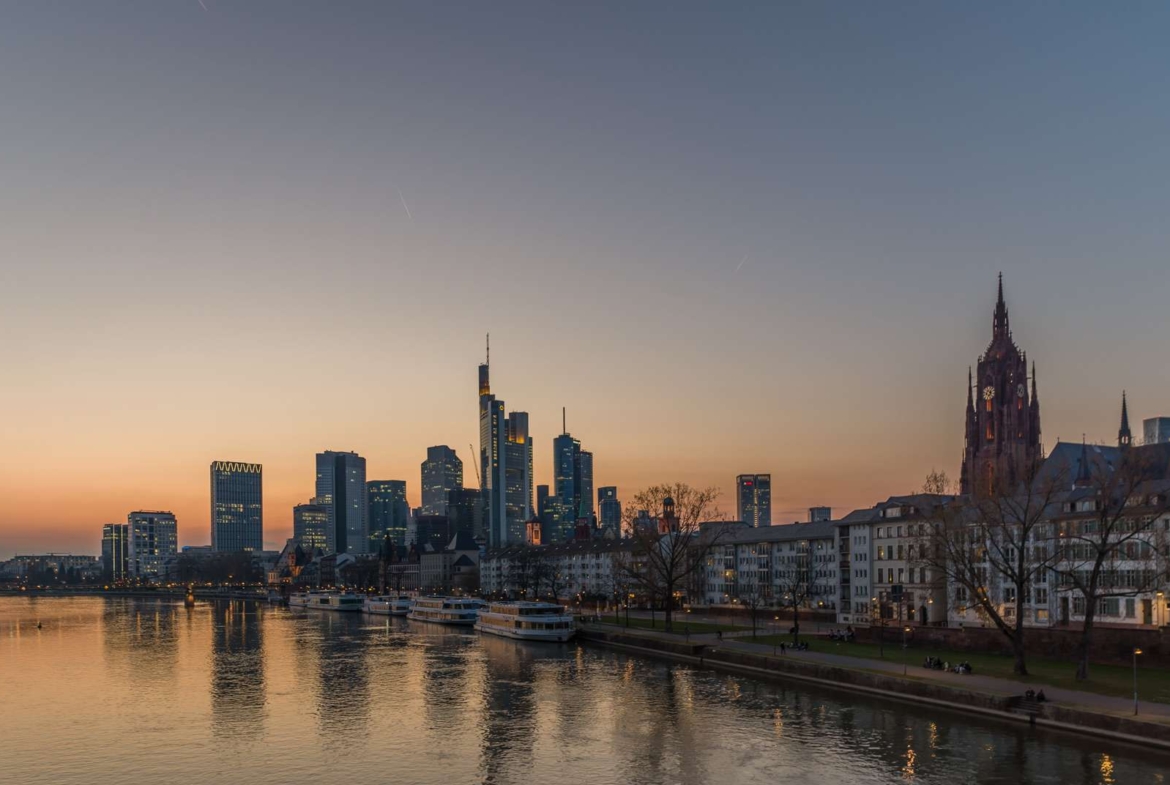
[[1003, 416]]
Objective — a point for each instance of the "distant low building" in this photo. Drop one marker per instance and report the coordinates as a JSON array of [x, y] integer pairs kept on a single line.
[[453, 568]]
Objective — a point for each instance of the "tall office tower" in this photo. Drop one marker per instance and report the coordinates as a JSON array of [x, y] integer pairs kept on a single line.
[[114, 544], [542, 497], [1156, 430], [341, 487], [817, 514], [311, 526], [152, 538], [754, 499], [388, 511], [237, 506], [466, 512], [609, 509], [573, 478], [442, 472], [505, 459]]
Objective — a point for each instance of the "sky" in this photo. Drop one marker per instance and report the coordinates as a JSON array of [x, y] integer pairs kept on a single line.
[[758, 238]]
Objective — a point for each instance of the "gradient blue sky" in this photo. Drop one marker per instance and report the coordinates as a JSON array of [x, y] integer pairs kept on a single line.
[[205, 255]]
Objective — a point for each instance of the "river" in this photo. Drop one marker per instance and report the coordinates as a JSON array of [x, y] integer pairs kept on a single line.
[[117, 690]]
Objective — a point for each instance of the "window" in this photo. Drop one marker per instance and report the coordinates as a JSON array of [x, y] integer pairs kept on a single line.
[[1041, 614], [1129, 608], [900, 572]]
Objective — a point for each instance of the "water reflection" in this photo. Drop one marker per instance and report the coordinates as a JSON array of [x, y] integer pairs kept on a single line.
[[243, 693], [238, 692]]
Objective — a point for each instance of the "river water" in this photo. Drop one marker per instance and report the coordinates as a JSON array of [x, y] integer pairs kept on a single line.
[[115, 690]]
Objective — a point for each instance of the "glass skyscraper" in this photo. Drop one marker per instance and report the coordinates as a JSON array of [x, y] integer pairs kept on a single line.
[[442, 472], [311, 526], [505, 457], [573, 486], [237, 506], [388, 511], [753, 495], [114, 542], [609, 509], [341, 487]]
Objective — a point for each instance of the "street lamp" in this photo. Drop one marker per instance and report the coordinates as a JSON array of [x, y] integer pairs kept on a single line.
[[1136, 652], [904, 658]]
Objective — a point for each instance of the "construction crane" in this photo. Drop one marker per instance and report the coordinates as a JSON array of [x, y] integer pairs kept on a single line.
[[475, 466]]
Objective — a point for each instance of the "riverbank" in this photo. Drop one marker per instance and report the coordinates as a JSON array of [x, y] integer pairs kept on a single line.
[[1065, 716]]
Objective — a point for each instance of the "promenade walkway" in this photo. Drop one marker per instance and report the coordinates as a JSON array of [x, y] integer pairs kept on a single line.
[[741, 641]]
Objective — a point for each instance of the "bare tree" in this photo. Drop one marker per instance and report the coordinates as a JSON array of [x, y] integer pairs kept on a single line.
[[552, 579], [621, 581], [664, 557], [753, 595], [1108, 543], [794, 586], [992, 549]]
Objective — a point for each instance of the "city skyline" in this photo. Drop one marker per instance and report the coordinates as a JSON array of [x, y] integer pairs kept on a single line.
[[789, 276]]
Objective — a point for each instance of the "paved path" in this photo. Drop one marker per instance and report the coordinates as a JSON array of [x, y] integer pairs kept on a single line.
[[976, 682]]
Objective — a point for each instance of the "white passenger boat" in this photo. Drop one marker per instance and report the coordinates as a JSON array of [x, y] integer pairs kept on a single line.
[[327, 601], [527, 621], [388, 605], [304, 599], [445, 610]]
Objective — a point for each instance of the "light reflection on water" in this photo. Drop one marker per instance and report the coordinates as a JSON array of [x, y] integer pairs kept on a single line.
[[120, 690]]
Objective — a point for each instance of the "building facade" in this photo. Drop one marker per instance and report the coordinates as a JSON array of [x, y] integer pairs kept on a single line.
[[237, 506], [753, 497], [114, 547], [152, 540], [773, 566], [594, 570], [341, 488], [442, 472], [388, 511]]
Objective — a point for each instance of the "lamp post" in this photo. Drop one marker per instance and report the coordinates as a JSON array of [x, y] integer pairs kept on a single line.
[[904, 658], [1136, 652]]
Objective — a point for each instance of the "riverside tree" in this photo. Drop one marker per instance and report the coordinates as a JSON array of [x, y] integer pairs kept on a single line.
[[1111, 539], [991, 550], [667, 554]]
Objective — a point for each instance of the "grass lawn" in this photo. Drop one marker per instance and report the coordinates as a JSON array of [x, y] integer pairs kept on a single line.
[[679, 622], [1112, 680]]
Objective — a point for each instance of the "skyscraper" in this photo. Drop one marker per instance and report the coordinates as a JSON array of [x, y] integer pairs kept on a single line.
[[754, 499], [237, 507], [1156, 430], [114, 544], [505, 457], [573, 486], [341, 487], [442, 472], [466, 512], [609, 509], [152, 538], [311, 526], [388, 511]]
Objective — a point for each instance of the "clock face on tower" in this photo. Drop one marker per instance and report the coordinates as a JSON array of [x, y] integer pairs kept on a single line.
[[988, 393], [1020, 390]]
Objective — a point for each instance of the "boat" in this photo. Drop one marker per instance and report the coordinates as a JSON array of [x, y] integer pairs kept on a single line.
[[388, 605], [304, 599], [446, 610], [527, 621], [326, 601]]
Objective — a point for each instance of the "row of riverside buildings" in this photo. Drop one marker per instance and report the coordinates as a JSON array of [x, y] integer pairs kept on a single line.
[[868, 567]]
